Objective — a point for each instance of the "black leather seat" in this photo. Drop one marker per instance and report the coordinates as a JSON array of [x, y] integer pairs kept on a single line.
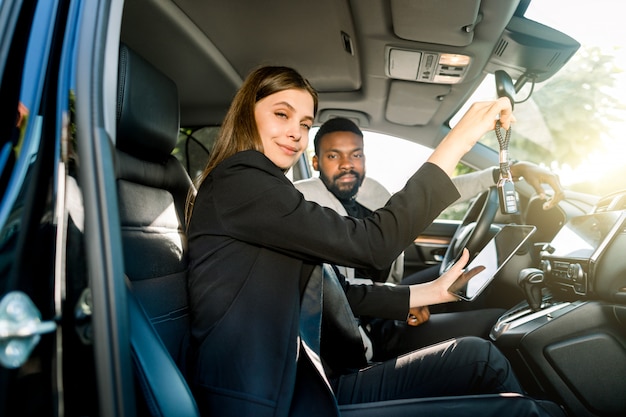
[[152, 188]]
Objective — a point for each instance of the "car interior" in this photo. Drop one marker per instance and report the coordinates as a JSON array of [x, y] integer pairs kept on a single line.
[[148, 99], [368, 73]]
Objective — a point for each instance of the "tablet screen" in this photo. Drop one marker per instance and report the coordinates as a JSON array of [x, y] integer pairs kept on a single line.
[[492, 257]]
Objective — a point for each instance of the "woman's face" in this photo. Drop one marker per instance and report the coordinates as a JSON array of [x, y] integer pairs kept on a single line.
[[283, 120]]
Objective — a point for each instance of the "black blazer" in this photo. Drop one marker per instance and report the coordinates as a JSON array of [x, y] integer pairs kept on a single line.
[[253, 242]]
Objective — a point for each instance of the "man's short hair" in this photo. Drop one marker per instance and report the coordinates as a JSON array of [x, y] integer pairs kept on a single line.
[[336, 124]]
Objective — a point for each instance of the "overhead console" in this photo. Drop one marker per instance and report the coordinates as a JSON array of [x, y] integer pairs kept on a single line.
[[426, 66], [445, 38], [585, 257]]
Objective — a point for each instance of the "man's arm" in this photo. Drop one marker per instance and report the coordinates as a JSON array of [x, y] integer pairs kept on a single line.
[[470, 185]]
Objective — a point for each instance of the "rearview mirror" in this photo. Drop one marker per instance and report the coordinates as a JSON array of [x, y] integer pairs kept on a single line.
[[505, 86]]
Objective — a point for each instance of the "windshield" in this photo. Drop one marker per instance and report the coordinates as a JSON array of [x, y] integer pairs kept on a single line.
[[573, 123]]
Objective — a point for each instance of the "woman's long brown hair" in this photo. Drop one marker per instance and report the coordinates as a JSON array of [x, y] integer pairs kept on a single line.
[[239, 131]]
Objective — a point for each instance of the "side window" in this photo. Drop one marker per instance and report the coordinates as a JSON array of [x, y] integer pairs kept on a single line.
[[455, 211], [27, 154], [391, 161], [194, 147]]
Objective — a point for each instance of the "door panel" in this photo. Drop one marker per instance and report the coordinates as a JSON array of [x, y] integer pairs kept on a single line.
[[429, 247]]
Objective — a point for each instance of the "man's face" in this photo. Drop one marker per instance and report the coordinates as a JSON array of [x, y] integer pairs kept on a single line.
[[341, 163]]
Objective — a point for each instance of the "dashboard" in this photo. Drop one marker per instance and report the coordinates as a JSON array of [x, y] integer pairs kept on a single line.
[[585, 258], [578, 334]]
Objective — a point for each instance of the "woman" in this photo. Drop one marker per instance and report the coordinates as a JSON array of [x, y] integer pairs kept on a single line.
[[256, 245]]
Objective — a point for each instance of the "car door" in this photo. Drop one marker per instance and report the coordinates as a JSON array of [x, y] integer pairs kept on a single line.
[[429, 248], [62, 293], [28, 216]]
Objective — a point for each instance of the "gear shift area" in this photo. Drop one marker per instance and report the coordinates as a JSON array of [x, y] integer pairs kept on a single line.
[[538, 308], [531, 281]]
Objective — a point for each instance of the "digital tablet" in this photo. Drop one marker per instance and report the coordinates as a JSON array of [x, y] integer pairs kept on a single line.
[[492, 257]]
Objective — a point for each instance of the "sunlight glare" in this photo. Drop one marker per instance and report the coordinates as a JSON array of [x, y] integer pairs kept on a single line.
[[607, 32]]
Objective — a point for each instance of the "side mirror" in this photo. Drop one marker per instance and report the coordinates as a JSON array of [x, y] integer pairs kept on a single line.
[[505, 86]]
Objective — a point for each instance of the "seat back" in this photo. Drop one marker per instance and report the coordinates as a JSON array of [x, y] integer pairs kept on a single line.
[[152, 188]]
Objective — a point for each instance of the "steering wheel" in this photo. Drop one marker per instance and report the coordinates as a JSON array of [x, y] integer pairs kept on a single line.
[[473, 232]]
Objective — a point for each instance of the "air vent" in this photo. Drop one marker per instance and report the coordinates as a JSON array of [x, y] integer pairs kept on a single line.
[[555, 60], [500, 48]]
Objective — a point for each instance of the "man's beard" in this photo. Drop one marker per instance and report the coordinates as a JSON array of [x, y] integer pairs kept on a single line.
[[343, 193]]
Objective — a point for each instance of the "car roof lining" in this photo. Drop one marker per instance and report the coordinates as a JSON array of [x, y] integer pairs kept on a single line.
[[208, 55]]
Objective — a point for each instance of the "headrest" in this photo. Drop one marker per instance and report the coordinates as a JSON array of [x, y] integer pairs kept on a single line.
[[147, 109]]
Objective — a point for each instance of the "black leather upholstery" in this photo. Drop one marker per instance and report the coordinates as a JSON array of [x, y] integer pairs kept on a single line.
[[165, 391], [152, 187], [490, 405]]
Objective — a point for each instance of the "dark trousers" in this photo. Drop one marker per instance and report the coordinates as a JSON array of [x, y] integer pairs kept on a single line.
[[490, 405], [463, 366], [417, 384], [392, 338]]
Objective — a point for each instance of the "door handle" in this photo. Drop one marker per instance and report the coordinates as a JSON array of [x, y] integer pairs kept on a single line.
[[20, 328]]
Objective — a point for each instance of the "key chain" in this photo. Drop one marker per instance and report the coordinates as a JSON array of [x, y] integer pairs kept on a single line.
[[506, 187]]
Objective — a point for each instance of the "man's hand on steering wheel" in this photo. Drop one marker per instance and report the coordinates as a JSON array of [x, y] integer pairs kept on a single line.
[[535, 176]]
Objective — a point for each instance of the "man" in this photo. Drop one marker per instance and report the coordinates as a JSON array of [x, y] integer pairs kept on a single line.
[[342, 185]]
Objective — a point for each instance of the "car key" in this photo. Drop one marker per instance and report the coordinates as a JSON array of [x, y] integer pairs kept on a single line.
[[506, 187], [507, 196]]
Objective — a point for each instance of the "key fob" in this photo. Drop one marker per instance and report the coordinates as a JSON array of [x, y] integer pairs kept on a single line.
[[507, 196]]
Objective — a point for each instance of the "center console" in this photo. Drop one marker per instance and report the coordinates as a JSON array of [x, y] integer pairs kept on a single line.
[[521, 319], [570, 262], [570, 333]]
